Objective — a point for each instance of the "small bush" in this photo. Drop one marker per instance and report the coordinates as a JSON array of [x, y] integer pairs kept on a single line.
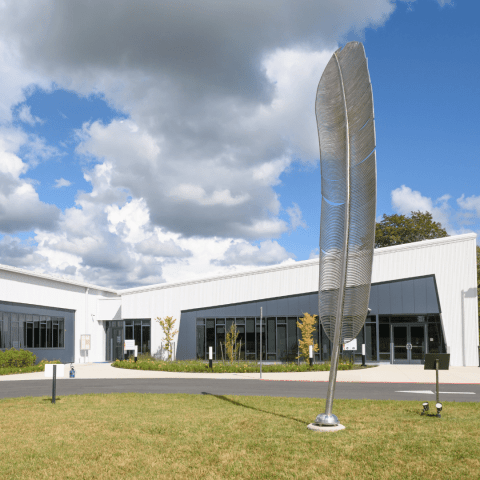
[[17, 358], [40, 367]]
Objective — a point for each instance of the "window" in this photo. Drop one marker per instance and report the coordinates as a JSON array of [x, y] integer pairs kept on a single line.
[[43, 331]]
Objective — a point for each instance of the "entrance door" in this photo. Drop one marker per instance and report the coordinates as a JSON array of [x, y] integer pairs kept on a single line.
[[408, 343], [114, 341]]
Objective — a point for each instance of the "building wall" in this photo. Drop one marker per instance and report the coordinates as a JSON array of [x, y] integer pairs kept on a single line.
[[452, 260], [41, 290]]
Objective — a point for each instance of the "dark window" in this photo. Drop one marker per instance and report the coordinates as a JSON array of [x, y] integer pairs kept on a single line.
[[371, 344], [211, 334], [200, 341], [250, 340]]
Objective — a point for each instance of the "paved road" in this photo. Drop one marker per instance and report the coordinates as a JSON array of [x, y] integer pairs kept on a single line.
[[374, 391]]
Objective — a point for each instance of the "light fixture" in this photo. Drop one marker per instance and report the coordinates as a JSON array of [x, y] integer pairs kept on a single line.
[[438, 405], [425, 408]]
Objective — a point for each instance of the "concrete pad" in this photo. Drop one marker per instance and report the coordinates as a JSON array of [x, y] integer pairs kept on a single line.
[[384, 373], [319, 428]]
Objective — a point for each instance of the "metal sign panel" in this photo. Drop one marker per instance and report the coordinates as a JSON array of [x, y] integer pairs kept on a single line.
[[85, 342], [49, 370], [350, 345]]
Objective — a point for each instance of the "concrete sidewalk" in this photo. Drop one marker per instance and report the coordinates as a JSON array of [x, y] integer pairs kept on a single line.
[[379, 374]]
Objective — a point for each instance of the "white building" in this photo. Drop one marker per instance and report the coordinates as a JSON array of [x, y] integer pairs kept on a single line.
[[423, 299]]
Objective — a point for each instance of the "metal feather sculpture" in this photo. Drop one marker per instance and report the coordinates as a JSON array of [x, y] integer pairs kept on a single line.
[[346, 132]]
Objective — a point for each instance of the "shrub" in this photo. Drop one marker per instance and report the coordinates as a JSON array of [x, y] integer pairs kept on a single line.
[[17, 358], [307, 327]]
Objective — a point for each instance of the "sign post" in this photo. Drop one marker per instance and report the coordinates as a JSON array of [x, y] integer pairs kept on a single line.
[[437, 361], [351, 347], [85, 345]]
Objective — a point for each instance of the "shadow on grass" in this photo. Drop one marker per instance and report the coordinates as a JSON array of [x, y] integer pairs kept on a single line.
[[238, 404]]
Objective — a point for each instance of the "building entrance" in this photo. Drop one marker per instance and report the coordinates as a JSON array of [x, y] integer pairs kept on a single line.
[[408, 343], [114, 337]]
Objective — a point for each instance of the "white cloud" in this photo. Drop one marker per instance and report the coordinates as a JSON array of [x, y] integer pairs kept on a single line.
[[220, 103], [266, 253], [405, 200], [455, 221], [295, 215], [470, 203], [26, 116], [61, 182]]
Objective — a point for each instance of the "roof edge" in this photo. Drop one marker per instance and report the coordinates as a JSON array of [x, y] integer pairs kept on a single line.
[[53, 278]]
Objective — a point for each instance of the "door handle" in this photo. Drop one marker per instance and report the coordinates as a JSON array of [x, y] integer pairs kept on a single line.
[[409, 346]]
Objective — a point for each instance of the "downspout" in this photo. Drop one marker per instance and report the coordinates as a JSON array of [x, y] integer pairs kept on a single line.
[[86, 318]]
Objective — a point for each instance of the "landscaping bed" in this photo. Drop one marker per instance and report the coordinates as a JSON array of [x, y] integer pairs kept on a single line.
[[198, 366]]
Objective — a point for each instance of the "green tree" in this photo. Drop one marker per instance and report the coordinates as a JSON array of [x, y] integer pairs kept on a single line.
[[400, 229], [307, 326], [231, 345], [168, 325]]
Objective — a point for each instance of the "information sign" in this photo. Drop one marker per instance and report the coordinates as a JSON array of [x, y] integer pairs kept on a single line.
[[129, 345], [49, 370], [85, 342], [352, 345]]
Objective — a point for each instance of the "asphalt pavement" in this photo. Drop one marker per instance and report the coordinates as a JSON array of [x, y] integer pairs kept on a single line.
[[383, 382], [298, 389]]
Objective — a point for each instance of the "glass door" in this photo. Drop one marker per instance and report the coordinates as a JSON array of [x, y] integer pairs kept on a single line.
[[408, 343], [400, 341], [417, 342]]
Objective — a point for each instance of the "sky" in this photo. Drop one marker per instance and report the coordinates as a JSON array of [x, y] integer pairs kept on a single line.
[[148, 142]]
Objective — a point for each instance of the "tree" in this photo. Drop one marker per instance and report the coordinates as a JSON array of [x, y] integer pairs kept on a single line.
[[231, 345], [400, 229], [168, 324], [307, 327]]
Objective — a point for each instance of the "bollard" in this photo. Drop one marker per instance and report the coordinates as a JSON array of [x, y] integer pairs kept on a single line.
[[210, 357], [54, 383], [363, 355], [310, 354]]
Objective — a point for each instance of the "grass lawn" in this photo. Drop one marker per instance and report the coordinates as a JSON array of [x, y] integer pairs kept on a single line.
[[132, 436]]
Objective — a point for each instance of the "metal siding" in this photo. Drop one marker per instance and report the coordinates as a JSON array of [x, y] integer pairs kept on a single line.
[[282, 307], [432, 300], [272, 308], [373, 302], [420, 289], [408, 296], [303, 305], [396, 306], [293, 306], [249, 309], [313, 310], [384, 299]]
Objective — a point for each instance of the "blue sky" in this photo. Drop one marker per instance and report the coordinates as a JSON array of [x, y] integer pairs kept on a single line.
[[173, 142]]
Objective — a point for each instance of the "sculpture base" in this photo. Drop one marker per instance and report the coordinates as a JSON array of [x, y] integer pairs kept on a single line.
[[322, 428], [325, 420]]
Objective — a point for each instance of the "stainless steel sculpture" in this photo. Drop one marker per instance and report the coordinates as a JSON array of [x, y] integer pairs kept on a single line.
[[346, 132]]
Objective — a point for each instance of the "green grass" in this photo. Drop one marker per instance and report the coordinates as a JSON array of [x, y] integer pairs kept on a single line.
[[139, 436], [148, 363]]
